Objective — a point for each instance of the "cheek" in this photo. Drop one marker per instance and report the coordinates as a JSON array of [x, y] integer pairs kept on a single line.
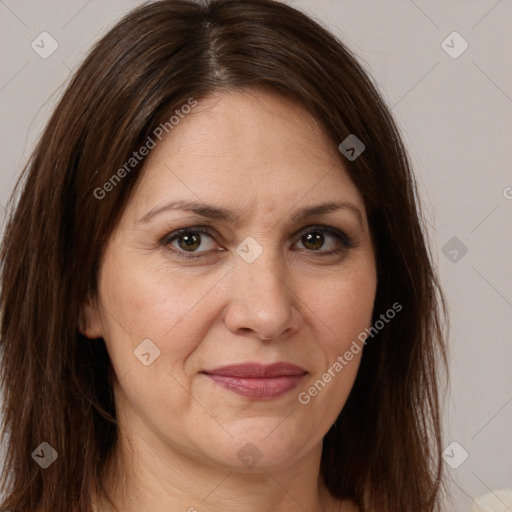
[[344, 306], [341, 311], [147, 301], [143, 302]]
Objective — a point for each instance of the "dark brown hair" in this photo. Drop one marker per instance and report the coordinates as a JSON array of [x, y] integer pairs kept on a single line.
[[384, 449]]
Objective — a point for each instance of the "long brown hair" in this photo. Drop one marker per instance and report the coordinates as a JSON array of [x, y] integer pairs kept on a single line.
[[384, 449]]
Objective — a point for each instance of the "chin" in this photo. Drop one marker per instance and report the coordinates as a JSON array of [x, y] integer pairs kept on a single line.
[[261, 446]]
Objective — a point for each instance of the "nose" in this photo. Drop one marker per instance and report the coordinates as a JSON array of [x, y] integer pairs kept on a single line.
[[262, 302]]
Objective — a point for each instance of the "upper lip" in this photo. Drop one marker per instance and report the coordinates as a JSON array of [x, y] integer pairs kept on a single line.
[[255, 370]]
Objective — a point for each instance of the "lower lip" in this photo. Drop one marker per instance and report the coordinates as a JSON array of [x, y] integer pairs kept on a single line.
[[258, 388]]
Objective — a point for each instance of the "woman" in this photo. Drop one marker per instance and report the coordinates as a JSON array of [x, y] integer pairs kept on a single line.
[[216, 290]]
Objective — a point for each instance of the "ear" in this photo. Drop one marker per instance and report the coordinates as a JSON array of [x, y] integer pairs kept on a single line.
[[89, 322]]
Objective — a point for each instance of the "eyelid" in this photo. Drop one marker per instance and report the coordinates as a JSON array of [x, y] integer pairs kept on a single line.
[[342, 237], [346, 239], [203, 230]]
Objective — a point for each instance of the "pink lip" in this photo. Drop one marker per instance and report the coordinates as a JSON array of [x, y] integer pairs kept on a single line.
[[258, 381]]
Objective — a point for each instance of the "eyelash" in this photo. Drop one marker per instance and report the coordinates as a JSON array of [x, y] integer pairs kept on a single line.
[[345, 241]]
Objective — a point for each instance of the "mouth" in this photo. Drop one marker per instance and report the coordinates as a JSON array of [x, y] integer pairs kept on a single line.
[[258, 381]]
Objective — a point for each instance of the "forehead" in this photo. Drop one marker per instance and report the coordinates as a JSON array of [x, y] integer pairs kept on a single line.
[[245, 147], [244, 125]]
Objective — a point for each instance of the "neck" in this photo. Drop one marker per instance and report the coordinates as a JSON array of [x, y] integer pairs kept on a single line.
[[146, 474]]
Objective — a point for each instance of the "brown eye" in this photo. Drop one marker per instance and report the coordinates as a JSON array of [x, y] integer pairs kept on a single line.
[[324, 240], [187, 242], [313, 240]]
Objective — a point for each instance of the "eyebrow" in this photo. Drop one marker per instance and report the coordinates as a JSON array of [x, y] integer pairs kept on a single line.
[[222, 214]]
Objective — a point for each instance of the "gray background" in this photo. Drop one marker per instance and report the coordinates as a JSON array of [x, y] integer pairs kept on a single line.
[[456, 118]]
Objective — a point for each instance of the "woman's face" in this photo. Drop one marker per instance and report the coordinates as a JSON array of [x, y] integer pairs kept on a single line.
[[252, 280]]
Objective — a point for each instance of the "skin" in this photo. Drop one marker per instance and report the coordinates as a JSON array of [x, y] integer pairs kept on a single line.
[[263, 157]]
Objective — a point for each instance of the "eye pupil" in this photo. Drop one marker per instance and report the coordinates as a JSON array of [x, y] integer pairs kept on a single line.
[[315, 239], [191, 242]]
